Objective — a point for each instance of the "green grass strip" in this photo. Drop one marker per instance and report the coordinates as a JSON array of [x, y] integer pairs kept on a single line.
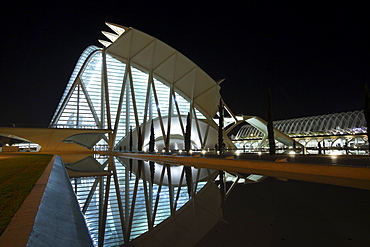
[[18, 175]]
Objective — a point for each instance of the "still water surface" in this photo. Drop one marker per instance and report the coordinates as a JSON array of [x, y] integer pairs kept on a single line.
[[130, 201]]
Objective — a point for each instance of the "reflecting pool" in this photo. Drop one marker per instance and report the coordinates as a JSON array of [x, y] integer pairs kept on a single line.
[[134, 202]]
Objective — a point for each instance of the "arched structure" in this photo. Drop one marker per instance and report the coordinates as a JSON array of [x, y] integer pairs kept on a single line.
[[346, 129], [134, 80], [337, 123], [52, 140], [330, 124]]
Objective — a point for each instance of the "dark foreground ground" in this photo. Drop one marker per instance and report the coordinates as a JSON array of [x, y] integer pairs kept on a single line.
[[292, 213]]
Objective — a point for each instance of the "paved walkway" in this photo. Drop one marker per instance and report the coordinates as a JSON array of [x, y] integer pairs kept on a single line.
[[50, 214], [20, 227]]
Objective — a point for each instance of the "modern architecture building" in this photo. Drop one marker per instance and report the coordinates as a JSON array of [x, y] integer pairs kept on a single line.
[[344, 131], [113, 98], [135, 80]]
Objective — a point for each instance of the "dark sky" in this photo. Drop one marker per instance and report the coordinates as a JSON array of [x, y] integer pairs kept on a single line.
[[314, 56]]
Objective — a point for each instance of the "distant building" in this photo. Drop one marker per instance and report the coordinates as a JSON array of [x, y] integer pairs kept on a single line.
[[345, 132]]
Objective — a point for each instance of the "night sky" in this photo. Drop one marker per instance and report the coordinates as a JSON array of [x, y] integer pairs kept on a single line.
[[314, 56]]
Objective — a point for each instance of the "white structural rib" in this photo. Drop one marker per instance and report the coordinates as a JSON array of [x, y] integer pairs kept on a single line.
[[111, 36], [104, 42], [116, 28]]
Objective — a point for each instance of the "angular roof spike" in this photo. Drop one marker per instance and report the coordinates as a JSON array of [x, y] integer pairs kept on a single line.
[[116, 28], [111, 36], [105, 43], [219, 81]]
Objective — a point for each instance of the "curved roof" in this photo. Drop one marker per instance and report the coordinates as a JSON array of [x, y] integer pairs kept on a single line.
[[135, 79], [329, 124], [337, 123], [166, 64]]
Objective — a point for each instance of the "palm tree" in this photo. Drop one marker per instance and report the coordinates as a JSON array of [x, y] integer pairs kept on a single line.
[[367, 113], [220, 128], [270, 126], [188, 172]]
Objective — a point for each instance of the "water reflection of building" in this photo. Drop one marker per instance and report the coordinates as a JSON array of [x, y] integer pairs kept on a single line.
[[133, 83], [146, 207], [340, 132]]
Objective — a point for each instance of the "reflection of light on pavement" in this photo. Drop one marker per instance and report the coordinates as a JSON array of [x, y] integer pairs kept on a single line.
[[334, 155]]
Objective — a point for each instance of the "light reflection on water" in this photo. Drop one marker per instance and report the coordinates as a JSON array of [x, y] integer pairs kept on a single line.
[[138, 199]]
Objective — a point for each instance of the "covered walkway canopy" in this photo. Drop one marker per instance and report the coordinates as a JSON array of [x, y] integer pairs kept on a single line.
[[57, 140]]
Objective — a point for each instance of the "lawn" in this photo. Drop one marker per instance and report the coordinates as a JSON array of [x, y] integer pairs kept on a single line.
[[18, 175]]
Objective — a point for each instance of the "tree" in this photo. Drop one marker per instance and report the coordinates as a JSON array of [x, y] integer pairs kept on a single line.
[[151, 138], [367, 113], [270, 126], [139, 140], [130, 149], [220, 128], [130, 140], [220, 149], [151, 149], [139, 148], [187, 139]]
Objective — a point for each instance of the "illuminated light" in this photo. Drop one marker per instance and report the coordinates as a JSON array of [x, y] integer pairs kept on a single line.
[[333, 156], [203, 151], [191, 151], [116, 28], [163, 151], [237, 152], [180, 151], [335, 153], [105, 43], [259, 153], [292, 152]]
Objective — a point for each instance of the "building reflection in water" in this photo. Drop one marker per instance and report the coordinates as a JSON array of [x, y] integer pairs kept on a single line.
[[135, 202]]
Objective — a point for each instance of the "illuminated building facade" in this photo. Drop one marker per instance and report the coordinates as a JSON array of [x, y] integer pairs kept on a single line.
[[339, 131], [134, 80]]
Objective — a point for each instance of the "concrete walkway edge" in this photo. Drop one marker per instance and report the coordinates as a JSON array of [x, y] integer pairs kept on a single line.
[[19, 228], [50, 215]]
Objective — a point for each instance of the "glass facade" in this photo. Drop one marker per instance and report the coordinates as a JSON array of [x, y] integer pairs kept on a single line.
[[342, 133], [134, 98], [133, 82]]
